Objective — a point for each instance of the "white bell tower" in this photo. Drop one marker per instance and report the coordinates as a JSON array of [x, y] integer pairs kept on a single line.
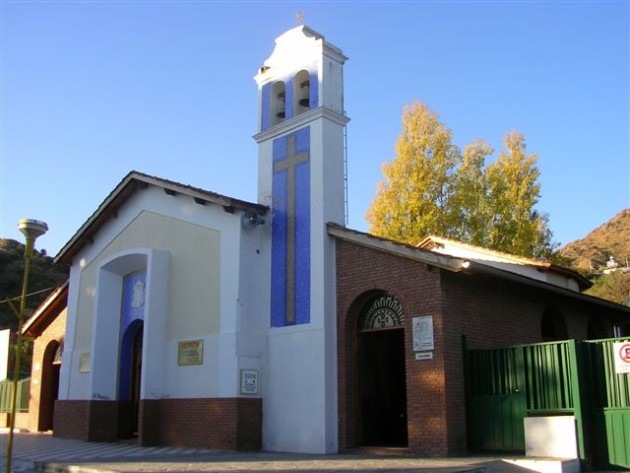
[[301, 178]]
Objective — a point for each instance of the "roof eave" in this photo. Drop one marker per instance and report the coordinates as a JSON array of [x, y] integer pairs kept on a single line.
[[130, 184]]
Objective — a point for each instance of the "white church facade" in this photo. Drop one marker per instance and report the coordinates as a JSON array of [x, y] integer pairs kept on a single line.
[[196, 319], [184, 303]]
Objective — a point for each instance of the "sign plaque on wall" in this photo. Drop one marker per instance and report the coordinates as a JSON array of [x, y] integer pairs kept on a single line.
[[424, 355], [84, 362], [621, 352], [422, 331], [190, 352], [249, 381]]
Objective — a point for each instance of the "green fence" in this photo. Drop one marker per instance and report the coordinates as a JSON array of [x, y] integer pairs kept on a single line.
[[23, 395], [503, 386], [610, 404]]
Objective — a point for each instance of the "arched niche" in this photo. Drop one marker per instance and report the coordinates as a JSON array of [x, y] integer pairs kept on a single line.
[[552, 326], [596, 329]]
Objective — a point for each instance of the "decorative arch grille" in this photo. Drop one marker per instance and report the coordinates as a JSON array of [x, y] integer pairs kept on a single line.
[[384, 312], [58, 353]]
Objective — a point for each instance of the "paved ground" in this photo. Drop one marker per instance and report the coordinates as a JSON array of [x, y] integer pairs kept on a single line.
[[44, 453]]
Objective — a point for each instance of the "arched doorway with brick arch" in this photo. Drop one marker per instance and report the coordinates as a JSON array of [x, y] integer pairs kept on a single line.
[[374, 397], [51, 366]]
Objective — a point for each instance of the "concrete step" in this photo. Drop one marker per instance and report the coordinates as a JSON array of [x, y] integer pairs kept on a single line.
[[547, 464]]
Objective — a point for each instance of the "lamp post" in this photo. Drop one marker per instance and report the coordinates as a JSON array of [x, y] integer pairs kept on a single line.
[[32, 229]]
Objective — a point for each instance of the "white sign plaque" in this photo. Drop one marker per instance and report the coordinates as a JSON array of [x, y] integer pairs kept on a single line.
[[425, 355], [621, 352], [249, 381], [422, 329]]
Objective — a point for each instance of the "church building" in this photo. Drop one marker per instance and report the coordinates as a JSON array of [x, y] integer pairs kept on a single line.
[[196, 319]]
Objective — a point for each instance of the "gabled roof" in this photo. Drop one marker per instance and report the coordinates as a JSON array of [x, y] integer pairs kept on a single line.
[[499, 258], [433, 242], [463, 265], [134, 182], [47, 311], [397, 248]]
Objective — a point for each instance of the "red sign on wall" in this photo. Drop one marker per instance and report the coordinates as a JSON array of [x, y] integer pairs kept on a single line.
[[621, 351]]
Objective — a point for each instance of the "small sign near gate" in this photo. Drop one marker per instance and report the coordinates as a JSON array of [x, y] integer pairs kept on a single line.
[[621, 351]]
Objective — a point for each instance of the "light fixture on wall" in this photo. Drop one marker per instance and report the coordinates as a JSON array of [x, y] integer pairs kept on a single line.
[[250, 219], [31, 229]]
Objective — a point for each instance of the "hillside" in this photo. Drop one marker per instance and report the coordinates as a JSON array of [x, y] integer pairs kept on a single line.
[[43, 274], [591, 253], [592, 256]]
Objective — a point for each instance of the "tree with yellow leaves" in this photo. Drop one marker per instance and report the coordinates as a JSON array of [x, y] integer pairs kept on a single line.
[[430, 188], [415, 198]]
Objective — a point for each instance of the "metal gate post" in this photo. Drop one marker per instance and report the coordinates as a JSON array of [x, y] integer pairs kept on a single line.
[[581, 398]]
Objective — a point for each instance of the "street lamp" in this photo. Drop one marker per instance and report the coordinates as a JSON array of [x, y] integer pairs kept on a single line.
[[32, 229]]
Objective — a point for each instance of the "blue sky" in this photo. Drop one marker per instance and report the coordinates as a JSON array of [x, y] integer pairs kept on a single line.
[[93, 89]]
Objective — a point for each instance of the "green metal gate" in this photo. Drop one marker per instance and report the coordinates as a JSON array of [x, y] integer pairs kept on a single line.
[[610, 406], [506, 385], [496, 399]]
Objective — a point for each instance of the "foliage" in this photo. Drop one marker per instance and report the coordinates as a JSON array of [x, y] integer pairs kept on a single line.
[[614, 287], [416, 199], [431, 188], [43, 274], [591, 253]]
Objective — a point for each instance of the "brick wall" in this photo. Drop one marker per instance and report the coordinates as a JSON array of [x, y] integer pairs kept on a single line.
[[492, 312], [489, 311], [42, 394], [221, 423], [361, 274]]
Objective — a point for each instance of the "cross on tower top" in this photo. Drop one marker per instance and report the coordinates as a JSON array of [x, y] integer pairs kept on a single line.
[[299, 17]]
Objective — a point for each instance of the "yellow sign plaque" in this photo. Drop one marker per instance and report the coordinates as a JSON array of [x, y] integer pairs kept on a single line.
[[190, 352]]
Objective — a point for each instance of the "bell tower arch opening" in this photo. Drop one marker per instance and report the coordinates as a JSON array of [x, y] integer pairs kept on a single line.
[[278, 103], [301, 92]]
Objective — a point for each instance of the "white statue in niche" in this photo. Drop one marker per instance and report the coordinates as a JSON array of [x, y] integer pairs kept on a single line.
[[137, 295]]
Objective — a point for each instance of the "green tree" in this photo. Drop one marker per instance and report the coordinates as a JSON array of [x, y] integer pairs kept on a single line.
[[614, 287], [44, 276], [431, 188]]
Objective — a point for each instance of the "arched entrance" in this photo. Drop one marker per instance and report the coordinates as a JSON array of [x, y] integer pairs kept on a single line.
[[382, 398], [596, 329], [51, 366], [552, 326], [129, 380]]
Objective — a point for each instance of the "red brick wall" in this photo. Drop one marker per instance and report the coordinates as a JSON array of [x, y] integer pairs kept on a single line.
[[41, 373], [94, 421], [222, 423], [361, 273], [489, 311]]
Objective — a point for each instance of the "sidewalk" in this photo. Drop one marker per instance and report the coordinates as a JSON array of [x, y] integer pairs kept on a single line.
[[42, 452], [35, 452]]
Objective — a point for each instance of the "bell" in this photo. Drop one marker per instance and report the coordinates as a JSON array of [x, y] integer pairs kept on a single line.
[[281, 105], [304, 90]]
